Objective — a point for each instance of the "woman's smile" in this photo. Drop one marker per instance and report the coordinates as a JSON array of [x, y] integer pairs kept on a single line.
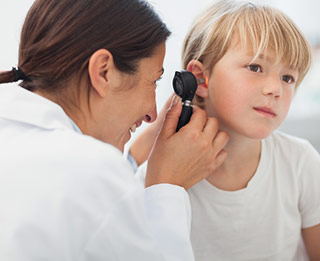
[[136, 125]]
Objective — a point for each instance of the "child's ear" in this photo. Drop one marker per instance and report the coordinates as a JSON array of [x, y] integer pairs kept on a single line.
[[197, 69]]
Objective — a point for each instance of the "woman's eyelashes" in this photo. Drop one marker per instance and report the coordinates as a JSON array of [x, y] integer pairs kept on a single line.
[[156, 81]]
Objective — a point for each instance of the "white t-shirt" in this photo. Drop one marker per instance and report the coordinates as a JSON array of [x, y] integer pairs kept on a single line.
[[262, 221]]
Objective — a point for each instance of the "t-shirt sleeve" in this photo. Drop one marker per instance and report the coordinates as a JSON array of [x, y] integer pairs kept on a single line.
[[309, 185]]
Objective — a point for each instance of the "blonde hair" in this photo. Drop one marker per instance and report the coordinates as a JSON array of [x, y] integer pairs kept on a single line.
[[257, 26]]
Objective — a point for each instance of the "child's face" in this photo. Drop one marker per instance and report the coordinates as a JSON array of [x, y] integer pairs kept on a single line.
[[250, 98]]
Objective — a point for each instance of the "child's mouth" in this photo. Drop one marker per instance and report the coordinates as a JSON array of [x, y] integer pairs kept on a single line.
[[265, 111]]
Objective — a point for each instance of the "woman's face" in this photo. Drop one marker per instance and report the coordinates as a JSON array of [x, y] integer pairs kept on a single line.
[[134, 101]]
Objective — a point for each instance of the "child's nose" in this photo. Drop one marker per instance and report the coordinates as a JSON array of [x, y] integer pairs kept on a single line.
[[273, 86]]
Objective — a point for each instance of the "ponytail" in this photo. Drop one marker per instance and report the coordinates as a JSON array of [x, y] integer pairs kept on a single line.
[[12, 76]]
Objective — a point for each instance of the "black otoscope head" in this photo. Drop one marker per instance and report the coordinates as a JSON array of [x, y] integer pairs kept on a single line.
[[185, 85]]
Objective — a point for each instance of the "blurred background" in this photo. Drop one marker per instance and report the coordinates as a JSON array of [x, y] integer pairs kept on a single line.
[[304, 116]]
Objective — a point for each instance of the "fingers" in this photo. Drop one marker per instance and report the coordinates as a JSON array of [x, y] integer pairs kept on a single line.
[[219, 159], [219, 142], [166, 107], [168, 103], [172, 117], [211, 128], [198, 119], [157, 124]]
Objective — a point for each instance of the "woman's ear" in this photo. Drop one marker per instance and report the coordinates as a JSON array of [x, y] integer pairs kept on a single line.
[[100, 65], [197, 69]]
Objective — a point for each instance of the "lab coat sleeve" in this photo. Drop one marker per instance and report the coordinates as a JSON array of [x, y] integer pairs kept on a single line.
[[169, 218], [144, 224], [151, 224], [168, 204]]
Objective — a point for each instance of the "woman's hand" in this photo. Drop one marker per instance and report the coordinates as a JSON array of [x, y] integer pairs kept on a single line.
[[186, 157]]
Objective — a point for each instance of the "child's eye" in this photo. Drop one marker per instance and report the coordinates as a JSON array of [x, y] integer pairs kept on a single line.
[[254, 67], [288, 79]]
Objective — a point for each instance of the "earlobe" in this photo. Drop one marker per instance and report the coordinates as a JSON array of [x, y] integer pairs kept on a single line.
[[99, 65], [197, 69]]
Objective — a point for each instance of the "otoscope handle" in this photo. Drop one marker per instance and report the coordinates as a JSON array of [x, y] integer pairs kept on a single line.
[[185, 116]]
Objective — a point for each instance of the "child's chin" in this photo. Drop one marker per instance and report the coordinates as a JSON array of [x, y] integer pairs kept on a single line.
[[257, 134], [261, 135]]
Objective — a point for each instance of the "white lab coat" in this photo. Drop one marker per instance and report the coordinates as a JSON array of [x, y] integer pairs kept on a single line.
[[68, 196]]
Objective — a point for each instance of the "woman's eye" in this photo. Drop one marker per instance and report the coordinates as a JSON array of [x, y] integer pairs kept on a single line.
[[156, 81], [254, 67], [288, 78]]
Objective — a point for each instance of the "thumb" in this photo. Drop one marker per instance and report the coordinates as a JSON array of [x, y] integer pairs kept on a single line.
[[172, 117]]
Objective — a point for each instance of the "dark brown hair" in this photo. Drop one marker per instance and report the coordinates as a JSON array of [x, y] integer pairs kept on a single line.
[[59, 36]]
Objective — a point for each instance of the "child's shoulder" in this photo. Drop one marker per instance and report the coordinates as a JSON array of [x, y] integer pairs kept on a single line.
[[292, 157], [291, 147], [282, 140]]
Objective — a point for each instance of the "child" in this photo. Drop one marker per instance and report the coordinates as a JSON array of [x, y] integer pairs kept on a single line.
[[265, 197]]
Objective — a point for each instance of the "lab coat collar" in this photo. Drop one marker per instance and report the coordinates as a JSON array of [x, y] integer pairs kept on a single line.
[[25, 106]]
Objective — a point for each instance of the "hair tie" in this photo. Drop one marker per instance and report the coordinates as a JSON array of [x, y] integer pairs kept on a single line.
[[18, 74]]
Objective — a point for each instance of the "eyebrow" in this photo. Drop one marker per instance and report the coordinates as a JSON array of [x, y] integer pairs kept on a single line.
[[267, 58], [264, 57]]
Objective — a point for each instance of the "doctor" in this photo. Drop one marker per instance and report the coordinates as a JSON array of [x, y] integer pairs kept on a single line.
[[88, 72]]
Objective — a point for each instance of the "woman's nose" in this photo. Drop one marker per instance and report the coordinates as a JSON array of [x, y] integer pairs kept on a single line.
[[151, 116]]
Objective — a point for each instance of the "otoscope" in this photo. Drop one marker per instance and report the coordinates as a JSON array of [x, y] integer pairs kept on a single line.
[[185, 85]]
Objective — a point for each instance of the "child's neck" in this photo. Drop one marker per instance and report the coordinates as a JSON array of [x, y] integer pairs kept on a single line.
[[242, 160]]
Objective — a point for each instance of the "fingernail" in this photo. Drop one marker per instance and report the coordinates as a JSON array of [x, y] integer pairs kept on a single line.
[[175, 100]]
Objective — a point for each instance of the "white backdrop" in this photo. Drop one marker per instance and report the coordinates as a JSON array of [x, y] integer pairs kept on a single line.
[[179, 14]]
